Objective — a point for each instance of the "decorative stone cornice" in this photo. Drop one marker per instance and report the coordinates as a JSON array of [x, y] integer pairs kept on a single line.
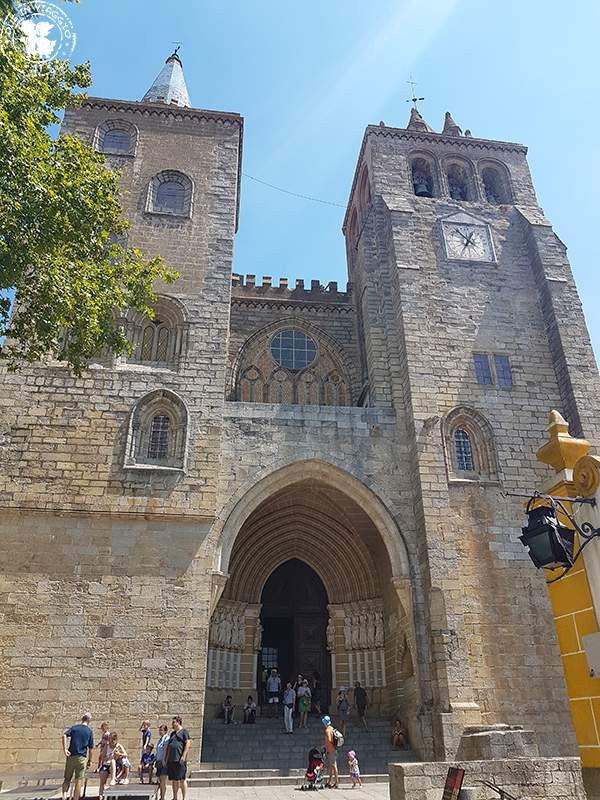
[[296, 305], [159, 110], [467, 143]]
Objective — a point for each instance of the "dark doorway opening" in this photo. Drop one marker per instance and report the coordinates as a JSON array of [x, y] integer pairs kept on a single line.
[[294, 617]]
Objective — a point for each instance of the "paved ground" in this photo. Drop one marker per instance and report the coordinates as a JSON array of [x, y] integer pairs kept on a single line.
[[371, 791]]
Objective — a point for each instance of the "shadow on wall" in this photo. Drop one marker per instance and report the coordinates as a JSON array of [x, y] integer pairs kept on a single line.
[[87, 549]]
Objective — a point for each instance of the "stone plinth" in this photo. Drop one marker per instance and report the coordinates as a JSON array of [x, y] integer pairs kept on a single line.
[[525, 778], [494, 742]]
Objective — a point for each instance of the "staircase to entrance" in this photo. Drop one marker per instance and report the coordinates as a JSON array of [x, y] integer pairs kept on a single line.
[[262, 754]]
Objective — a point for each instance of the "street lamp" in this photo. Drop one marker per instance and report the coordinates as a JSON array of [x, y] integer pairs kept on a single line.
[[550, 544]]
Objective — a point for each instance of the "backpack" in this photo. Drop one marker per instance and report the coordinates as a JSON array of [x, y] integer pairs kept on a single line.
[[338, 739]]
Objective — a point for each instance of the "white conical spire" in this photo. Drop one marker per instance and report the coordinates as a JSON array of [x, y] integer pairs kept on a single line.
[[169, 86]]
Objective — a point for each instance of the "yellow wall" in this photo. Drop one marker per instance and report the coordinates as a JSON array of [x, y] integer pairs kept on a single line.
[[574, 617], [574, 614]]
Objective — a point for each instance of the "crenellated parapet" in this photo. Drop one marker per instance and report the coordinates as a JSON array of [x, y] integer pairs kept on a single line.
[[246, 288]]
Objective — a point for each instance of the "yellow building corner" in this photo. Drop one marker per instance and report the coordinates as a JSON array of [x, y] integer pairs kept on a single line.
[[575, 614]]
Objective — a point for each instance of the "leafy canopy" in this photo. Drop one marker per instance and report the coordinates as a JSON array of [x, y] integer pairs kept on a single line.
[[60, 223]]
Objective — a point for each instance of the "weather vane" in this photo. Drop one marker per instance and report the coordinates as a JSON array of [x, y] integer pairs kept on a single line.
[[177, 46], [414, 99]]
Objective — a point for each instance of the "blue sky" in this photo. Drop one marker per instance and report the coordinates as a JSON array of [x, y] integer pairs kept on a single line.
[[309, 76]]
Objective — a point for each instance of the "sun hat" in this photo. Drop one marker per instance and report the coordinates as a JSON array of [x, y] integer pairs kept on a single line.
[[352, 753], [326, 720]]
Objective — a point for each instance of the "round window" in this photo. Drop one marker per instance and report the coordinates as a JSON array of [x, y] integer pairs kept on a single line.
[[293, 349]]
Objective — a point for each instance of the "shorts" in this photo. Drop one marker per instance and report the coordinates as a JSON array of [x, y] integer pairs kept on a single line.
[[331, 759], [160, 769], [75, 768], [176, 771], [123, 762], [273, 697]]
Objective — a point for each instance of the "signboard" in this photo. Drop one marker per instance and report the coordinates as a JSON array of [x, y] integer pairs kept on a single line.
[[454, 781]]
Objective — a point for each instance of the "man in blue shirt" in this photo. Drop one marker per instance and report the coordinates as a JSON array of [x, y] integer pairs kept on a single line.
[[78, 743]]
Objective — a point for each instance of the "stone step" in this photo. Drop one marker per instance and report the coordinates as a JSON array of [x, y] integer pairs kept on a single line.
[[234, 771], [271, 780], [265, 747]]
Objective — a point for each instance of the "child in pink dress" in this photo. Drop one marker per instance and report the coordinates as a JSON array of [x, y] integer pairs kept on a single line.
[[354, 768]]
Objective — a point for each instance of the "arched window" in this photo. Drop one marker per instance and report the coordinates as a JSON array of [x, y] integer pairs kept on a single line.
[[460, 184], [422, 177], [469, 446], [309, 389], [280, 388], [116, 137], [494, 185], [160, 340], [463, 451], [335, 390], [158, 445], [252, 386], [170, 197], [117, 141], [157, 435], [170, 192]]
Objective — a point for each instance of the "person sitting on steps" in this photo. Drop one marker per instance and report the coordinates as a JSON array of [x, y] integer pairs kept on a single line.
[[228, 709], [399, 735], [249, 711]]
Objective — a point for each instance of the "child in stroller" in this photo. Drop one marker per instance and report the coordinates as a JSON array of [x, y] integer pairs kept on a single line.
[[314, 778]]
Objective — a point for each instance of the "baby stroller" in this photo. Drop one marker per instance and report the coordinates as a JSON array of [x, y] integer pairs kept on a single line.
[[314, 778]]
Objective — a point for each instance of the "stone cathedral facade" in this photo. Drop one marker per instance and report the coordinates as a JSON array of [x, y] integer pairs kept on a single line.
[[305, 475]]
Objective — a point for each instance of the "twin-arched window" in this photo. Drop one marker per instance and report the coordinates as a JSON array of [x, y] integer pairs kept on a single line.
[[161, 340]]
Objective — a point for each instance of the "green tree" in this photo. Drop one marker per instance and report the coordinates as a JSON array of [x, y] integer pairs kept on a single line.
[[61, 222]]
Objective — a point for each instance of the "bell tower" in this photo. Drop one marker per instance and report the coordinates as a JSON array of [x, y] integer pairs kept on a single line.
[[472, 330]]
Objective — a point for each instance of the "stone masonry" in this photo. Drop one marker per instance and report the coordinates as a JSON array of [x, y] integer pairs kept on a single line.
[[114, 561]]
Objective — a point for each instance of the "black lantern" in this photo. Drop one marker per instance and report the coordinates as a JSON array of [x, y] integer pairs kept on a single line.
[[550, 544]]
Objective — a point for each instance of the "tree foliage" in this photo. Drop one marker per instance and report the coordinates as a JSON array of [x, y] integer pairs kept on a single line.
[[60, 223]]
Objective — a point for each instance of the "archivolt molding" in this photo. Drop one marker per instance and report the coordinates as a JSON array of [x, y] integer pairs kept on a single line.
[[251, 496], [289, 530]]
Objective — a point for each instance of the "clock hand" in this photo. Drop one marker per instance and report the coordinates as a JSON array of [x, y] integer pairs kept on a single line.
[[460, 233]]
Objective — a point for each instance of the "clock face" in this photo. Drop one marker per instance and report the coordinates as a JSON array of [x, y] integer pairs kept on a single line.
[[468, 242]]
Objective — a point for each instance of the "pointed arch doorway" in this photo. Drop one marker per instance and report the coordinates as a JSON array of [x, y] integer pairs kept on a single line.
[[294, 620]]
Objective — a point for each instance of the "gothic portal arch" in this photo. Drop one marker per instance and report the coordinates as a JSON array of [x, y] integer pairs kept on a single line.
[[248, 498], [322, 516]]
